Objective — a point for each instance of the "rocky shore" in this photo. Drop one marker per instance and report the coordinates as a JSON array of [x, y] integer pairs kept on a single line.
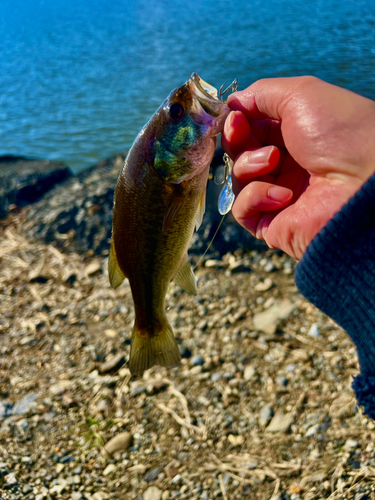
[[261, 406]]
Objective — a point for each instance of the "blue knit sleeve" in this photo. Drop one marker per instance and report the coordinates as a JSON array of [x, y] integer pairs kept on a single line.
[[337, 274]]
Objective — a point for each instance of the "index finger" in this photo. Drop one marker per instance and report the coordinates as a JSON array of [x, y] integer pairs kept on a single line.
[[266, 98]]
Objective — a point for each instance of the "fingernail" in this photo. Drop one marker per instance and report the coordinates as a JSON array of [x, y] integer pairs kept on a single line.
[[228, 123], [278, 193], [260, 157]]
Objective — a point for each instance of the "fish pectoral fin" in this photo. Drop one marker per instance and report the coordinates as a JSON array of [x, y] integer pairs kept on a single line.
[[201, 210], [147, 351], [173, 207], [186, 279], [116, 276]]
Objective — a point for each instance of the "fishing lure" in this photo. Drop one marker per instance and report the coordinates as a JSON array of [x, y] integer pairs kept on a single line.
[[226, 198]]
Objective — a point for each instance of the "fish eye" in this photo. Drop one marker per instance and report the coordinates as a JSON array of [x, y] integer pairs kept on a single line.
[[176, 111]]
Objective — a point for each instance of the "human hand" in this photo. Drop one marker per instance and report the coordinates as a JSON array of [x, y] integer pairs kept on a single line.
[[301, 149]]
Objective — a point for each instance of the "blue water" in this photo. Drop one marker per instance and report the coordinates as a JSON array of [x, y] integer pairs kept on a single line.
[[78, 78]]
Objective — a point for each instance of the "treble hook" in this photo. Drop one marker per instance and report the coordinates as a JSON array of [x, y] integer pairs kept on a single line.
[[232, 87]]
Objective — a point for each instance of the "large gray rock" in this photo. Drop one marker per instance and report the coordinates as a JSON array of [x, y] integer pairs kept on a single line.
[[23, 181], [77, 216]]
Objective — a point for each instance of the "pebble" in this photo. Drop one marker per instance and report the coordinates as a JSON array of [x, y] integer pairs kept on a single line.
[[120, 442], [196, 360], [215, 377], [185, 352], [249, 372], [236, 440], [165, 495], [350, 444], [60, 387], [100, 495], [312, 431], [136, 391], [263, 286], [152, 474], [280, 423], [282, 381], [265, 415], [314, 331], [92, 268], [213, 263], [76, 495], [152, 493], [113, 364], [109, 469], [268, 320]]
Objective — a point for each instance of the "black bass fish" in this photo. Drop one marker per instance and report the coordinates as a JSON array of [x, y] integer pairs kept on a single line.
[[159, 199]]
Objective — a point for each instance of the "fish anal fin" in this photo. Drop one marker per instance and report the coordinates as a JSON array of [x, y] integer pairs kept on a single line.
[[185, 278], [147, 351], [116, 276], [200, 212]]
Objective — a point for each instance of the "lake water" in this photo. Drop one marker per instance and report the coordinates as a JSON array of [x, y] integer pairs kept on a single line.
[[79, 78]]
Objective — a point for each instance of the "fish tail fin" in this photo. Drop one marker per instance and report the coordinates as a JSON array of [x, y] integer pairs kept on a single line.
[[147, 351]]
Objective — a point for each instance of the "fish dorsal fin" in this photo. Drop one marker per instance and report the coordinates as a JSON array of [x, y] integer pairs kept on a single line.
[[173, 207], [200, 212], [185, 278], [116, 276]]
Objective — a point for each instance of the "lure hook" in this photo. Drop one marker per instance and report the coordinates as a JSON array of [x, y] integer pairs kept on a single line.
[[232, 87]]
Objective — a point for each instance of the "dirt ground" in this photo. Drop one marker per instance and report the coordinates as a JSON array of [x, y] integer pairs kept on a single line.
[[261, 406]]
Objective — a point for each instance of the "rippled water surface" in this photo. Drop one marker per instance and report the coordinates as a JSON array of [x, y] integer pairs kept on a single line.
[[79, 78]]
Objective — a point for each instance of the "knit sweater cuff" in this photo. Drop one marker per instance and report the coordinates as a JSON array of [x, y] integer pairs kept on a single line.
[[337, 274]]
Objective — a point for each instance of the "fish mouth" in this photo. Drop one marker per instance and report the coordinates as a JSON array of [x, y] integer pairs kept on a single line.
[[206, 95]]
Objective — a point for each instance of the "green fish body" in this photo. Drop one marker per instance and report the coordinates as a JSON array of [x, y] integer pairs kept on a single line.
[[159, 199]]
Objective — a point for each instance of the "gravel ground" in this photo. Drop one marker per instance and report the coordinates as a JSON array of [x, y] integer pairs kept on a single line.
[[261, 406]]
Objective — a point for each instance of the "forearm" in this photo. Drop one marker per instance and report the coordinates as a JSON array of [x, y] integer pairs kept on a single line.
[[337, 274]]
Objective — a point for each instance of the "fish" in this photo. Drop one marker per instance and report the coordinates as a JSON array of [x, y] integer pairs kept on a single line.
[[159, 199]]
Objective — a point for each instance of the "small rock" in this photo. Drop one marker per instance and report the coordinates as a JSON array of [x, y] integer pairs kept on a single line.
[[152, 493], [100, 495], [120, 442], [76, 495], [263, 286], [92, 268], [238, 267], [176, 479], [165, 495], [267, 321], [151, 475], [314, 331], [282, 381], [136, 391], [111, 333], [281, 422], [213, 263], [249, 372], [27, 489], [171, 472], [60, 387], [312, 431], [109, 469], [113, 364], [236, 440], [269, 267], [196, 360], [24, 405], [10, 479], [215, 377], [185, 352], [59, 468], [265, 415], [350, 444]]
